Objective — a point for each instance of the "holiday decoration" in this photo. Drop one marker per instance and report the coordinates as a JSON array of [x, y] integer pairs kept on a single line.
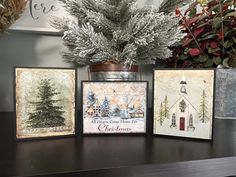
[[118, 31], [10, 11], [211, 37], [45, 102], [114, 107], [46, 113], [183, 103], [168, 6]]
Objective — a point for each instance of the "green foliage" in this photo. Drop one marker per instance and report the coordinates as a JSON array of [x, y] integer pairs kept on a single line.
[[117, 31], [210, 39], [47, 113]]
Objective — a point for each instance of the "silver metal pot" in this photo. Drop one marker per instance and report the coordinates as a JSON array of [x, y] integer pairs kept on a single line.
[[225, 93], [113, 72]]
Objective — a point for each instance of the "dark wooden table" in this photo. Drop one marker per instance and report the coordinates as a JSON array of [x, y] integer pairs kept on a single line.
[[118, 156]]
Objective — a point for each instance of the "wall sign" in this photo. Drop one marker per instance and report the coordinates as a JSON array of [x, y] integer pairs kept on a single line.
[[183, 103], [114, 107], [38, 14], [45, 102]]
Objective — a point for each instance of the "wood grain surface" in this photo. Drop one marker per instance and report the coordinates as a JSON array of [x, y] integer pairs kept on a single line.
[[116, 156]]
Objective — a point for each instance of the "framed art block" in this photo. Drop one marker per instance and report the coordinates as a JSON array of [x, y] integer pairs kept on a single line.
[[45, 102], [114, 107], [183, 103]]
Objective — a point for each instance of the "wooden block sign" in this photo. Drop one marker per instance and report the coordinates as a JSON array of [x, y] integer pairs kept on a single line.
[[38, 14]]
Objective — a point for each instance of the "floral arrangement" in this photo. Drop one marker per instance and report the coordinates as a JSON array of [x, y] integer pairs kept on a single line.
[[10, 11], [118, 31], [211, 35]]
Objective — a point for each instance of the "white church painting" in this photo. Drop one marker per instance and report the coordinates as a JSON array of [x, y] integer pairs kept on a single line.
[[183, 103]]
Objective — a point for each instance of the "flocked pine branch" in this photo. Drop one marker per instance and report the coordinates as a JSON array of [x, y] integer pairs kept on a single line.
[[168, 6], [117, 31]]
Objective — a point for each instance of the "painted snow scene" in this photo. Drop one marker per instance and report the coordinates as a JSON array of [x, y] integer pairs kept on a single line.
[[45, 102], [114, 107], [183, 103]]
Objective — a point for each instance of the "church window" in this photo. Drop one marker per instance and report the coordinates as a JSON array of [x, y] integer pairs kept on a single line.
[[182, 106], [191, 120], [173, 120]]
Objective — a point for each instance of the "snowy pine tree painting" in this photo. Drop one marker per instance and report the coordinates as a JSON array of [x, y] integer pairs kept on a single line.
[[183, 103], [114, 107], [47, 112], [45, 102]]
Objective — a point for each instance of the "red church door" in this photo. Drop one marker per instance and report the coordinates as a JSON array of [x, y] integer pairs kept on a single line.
[[182, 123]]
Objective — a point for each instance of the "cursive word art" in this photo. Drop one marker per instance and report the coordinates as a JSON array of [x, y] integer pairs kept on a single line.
[[40, 7]]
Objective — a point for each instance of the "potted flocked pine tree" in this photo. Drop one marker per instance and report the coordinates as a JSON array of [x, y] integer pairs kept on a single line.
[[116, 35]]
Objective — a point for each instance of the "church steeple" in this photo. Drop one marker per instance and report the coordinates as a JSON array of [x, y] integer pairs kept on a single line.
[[183, 84]]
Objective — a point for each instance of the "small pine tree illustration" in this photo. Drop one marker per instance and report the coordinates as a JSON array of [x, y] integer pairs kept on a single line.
[[105, 107], [161, 114], [203, 109], [166, 108], [91, 98], [46, 112]]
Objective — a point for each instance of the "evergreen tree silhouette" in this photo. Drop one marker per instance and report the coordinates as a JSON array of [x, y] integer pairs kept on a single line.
[[166, 108], [161, 114], [203, 109], [105, 107], [46, 112]]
